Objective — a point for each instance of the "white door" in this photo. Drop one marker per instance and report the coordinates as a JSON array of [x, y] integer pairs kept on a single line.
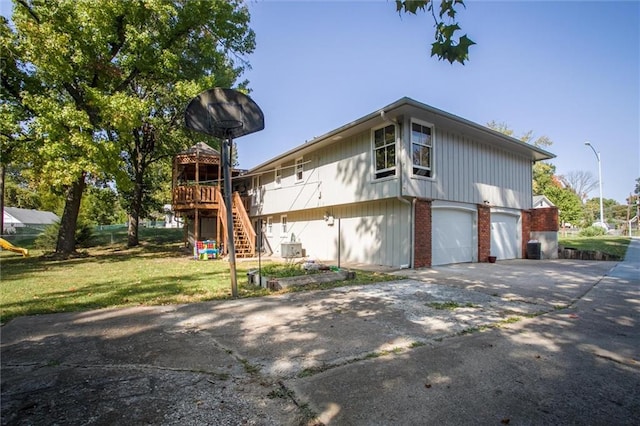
[[504, 236], [452, 239]]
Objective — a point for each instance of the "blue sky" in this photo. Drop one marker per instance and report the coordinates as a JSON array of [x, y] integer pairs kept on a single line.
[[567, 70]]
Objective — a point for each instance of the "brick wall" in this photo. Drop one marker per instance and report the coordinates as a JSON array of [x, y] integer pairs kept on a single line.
[[484, 233], [545, 219], [526, 231], [422, 234]]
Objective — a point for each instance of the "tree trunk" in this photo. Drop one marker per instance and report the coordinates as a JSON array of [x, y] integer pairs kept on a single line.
[[66, 244], [134, 215]]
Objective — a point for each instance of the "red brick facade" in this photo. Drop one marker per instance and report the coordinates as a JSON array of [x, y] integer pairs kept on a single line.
[[526, 231], [484, 233], [545, 219], [422, 234], [538, 220]]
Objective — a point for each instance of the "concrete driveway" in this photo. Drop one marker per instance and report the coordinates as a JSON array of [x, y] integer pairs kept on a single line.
[[525, 342]]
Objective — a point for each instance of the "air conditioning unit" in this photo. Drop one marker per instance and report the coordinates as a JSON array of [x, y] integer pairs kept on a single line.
[[289, 250]]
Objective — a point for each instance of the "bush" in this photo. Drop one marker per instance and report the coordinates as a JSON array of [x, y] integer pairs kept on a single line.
[[48, 239], [592, 231]]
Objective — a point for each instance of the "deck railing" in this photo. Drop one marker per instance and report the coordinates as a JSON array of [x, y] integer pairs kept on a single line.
[[196, 194]]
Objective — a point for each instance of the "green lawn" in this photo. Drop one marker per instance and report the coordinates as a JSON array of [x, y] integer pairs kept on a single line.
[[616, 246], [159, 272]]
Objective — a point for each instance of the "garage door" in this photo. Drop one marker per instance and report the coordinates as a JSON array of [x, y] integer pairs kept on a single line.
[[504, 236], [452, 236]]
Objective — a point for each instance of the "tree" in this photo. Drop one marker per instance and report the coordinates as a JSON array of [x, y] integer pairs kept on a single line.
[[111, 80], [579, 181], [568, 203], [447, 46], [101, 206]]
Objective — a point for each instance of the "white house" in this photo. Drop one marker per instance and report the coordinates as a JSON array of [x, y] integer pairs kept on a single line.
[[541, 202], [15, 218], [408, 185]]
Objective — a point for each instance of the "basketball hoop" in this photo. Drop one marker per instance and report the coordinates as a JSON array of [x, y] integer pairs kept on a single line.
[[228, 128], [225, 114]]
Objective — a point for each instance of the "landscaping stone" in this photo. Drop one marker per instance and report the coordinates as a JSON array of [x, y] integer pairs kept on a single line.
[[319, 278]]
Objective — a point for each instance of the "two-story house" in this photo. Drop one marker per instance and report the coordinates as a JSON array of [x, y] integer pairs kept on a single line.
[[406, 186]]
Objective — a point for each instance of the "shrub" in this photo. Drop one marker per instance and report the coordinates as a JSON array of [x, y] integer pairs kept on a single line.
[[48, 239], [592, 231]]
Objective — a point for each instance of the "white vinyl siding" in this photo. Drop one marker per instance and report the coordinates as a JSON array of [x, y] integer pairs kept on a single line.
[[375, 233], [470, 171]]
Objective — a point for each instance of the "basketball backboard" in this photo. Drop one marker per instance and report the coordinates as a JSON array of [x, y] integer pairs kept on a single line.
[[224, 113]]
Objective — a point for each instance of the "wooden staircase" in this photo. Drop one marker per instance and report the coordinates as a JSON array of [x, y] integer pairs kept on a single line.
[[244, 235]]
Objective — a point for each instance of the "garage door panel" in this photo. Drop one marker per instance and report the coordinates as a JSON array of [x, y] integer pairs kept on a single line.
[[504, 236], [452, 236]]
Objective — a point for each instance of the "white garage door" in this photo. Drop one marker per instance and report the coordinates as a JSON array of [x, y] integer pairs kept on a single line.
[[452, 236], [504, 236]]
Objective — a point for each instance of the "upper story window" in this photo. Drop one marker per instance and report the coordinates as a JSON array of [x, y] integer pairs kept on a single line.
[[422, 148], [299, 169], [384, 151], [270, 226], [277, 180], [283, 225], [257, 190]]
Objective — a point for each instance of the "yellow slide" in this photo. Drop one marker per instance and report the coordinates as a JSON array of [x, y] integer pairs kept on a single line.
[[6, 245]]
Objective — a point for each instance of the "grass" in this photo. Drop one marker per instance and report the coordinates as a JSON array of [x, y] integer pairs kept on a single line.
[[158, 272], [616, 246], [450, 305]]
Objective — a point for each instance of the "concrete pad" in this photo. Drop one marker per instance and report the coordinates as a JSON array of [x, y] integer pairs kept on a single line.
[[357, 355]]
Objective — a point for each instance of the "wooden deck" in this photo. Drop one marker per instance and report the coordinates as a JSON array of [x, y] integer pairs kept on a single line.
[[188, 197]]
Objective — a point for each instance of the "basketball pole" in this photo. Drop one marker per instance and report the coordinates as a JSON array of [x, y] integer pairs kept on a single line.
[[231, 247]]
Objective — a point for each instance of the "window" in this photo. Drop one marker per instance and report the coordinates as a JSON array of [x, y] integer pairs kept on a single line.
[[299, 169], [257, 190], [277, 180], [269, 226], [422, 149], [384, 151], [283, 224]]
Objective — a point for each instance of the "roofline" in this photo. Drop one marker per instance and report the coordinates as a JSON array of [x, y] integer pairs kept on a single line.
[[542, 154]]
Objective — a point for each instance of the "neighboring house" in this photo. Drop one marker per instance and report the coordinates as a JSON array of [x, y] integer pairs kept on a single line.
[[15, 218], [541, 202], [406, 186]]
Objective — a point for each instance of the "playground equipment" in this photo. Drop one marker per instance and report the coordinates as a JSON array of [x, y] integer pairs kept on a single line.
[[203, 250], [6, 245]]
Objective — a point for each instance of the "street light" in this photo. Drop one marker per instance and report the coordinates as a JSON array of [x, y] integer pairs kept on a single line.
[[600, 181]]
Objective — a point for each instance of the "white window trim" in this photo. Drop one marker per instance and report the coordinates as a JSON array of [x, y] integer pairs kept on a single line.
[[277, 177], [255, 183], [269, 226], [284, 226], [373, 153], [299, 163], [433, 146]]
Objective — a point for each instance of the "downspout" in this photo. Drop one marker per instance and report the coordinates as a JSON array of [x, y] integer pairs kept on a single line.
[[400, 197]]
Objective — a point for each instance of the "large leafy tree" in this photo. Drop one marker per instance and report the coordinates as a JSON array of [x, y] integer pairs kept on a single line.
[[111, 83]]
